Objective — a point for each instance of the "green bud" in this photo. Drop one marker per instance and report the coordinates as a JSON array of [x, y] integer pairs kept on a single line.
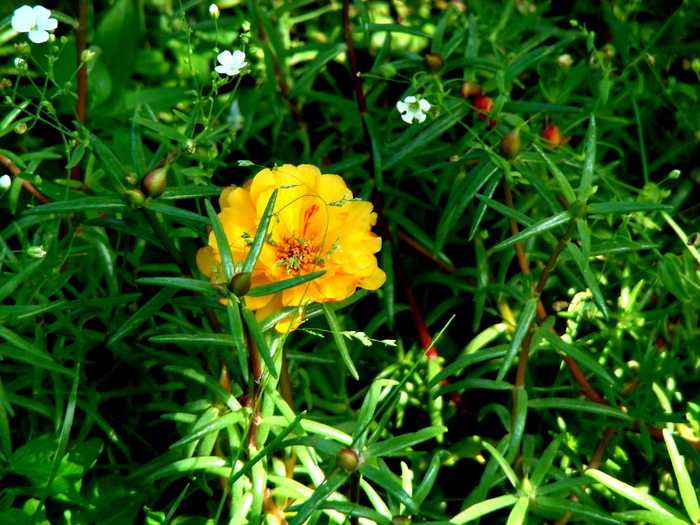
[[214, 12], [674, 174], [135, 197], [240, 284], [348, 460], [155, 182], [578, 210], [38, 252]]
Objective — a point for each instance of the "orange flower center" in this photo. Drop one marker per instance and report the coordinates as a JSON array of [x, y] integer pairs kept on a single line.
[[296, 252]]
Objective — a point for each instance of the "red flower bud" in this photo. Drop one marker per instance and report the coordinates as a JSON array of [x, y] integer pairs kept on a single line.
[[470, 89], [510, 144], [348, 460], [483, 106], [433, 62], [155, 182], [552, 135]]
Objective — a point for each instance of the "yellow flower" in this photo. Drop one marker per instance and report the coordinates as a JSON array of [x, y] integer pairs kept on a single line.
[[316, 226]]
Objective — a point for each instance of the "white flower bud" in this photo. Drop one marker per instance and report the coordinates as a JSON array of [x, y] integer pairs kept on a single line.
[[214, 12], [5, 183]]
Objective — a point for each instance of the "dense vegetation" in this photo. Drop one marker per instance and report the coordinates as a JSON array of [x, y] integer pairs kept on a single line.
[[528, 350]]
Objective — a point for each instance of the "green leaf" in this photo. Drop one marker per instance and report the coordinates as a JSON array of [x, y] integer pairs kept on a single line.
[[581, 356], [273, 288], [160, 129], [584, 190], [227, 262], [259, 338], [625, 207], [535, 229], [400, 443], [483, 508], [21, 277], [429, 477], [512, 214], [109, 161], [652, 517], [181, 283], [505, 466], [144, 313], [191, 192], [589, 278], [388, 483], [219, 423], [561, 179], [435, 129], [176, 213], [209, 382], [337, 330], [518, 514], [546, 460], [391, 28], [368, 409], [320, 495], [460, 198], [523, 326], [98, 204], [195, 339], [261, 235], [318, 63], [685, 484], [578, 405], [576, 508], [640, 497]]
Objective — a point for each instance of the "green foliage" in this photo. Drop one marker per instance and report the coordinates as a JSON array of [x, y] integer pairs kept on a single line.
[[533, 354]]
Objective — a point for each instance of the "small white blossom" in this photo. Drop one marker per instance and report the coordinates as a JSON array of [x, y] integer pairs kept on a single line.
[[231, 64], [214, 12], [413, 109], [5, 183], [20, 63], [34, 20], [565, 60]]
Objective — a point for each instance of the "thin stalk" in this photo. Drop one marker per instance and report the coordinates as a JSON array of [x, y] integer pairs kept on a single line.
[[81, 104]]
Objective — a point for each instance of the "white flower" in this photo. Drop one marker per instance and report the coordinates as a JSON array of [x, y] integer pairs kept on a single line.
[[412, 109], [214, 12], [35, 21], [231, 64], [5, 183]]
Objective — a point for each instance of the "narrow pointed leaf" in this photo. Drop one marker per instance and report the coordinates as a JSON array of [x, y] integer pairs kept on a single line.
[[505, 467], [339, 339], [259, 338], [272, 288], [561, 179], [535, 229], [222, 242], [483, 508], [685, 484], [261, 235], [640, 497], [584, 190], [521, 329]]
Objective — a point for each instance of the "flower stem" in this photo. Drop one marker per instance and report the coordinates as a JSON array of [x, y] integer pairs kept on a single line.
[[81, 104]]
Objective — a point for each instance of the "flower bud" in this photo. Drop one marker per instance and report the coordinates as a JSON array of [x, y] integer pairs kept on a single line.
[[348, 460], [21, 64], [5, 183], [470, 89], [155, 182], [400, 520], [483, 106], [552, 135], [565, 60], [37, 252], [578, 210], [492, 124], [135, 197], [510, 144], [433, 62], [240, 284], [214, 12], [87, 55]]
